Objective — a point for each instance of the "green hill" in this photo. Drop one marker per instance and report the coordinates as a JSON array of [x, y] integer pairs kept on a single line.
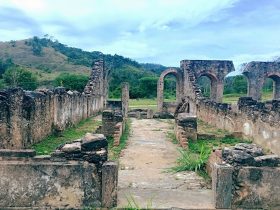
[[48, 59]]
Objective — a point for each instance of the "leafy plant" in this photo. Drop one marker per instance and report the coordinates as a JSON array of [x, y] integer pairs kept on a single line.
[[191, 161], [16, 76], [71, 81]]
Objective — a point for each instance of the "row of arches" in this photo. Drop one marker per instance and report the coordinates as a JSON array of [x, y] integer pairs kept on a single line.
[[212, 88]]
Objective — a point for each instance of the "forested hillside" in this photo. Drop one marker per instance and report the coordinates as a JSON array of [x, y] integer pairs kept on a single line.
[[55, 64]]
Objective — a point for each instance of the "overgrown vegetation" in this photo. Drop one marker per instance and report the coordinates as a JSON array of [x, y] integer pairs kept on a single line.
[[115, 151], [196, 156], [16, 76], [71, 81], [49, 144]]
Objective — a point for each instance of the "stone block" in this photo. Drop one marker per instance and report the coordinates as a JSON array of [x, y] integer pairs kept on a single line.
[[222, 185], [17, 153], [109, 184], [258, 188], [93, 142], [46, 184], [71, 148], [267, 160]]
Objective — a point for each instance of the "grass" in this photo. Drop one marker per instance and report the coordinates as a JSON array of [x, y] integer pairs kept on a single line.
[[196, 156], [132, 204], [172, 137], [115, 151], [144, 103], [49, 144]]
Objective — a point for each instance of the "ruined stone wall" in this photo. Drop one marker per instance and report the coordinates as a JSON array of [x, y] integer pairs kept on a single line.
[[75, 176], [27, 117], [257, 121]]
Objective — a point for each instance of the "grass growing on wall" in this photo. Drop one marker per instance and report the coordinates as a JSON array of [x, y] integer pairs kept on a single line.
[[115, 151], [49, 144]]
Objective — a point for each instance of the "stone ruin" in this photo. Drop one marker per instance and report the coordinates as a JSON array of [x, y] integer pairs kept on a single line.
[[242, 176], [77, 174], [253, 119]]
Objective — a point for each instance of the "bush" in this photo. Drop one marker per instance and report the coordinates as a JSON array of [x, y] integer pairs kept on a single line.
[[16, 76], [71, 81]]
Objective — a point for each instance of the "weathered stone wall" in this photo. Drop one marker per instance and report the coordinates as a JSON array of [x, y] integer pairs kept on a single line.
[[185, 128], [257, 121], [75, 176], [245, 178], [27, 117]]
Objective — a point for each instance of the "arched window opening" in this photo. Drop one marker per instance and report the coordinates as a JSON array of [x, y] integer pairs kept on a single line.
[[234, 88], [269, 88], [169, 92], [204, 83]]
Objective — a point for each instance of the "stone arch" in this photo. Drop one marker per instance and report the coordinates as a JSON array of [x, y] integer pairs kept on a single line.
[[214, 92], [275, 76], [256, 72], [160, 86]]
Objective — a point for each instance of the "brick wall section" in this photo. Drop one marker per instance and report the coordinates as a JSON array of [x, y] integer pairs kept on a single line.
[[27, 117], [185, 128]]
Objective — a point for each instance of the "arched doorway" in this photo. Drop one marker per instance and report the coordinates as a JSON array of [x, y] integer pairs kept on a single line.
[[234, 88], [160, 87], [215, 91], [271, 87]]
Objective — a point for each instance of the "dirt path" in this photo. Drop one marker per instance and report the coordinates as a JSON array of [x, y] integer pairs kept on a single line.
[[142, 178]]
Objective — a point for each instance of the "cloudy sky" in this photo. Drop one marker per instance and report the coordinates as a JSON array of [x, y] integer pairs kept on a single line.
[[158, 31]]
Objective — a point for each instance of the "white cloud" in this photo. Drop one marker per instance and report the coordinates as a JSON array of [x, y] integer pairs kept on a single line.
[[161, 31]]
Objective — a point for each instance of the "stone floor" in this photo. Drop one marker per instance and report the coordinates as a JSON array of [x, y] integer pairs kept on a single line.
[[143, 177]]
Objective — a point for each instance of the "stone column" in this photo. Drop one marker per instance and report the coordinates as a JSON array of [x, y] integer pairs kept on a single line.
[[276, 88], [125, 99], [160, 86], [109, 184], [254, 88], [220, 91], [222, 185]]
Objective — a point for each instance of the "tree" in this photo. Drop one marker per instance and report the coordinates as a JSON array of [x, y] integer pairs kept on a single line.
[[239, 84], [71, 81], [16, 76]]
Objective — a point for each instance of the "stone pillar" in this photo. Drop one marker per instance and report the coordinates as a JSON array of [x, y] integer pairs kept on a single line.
[[160, 87], [109, 184], [220, 91], [276, 88], [125, 99], [222, 185], [189, 124], [254, 89]]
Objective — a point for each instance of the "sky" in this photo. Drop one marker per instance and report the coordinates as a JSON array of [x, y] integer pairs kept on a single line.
[[152, 31]]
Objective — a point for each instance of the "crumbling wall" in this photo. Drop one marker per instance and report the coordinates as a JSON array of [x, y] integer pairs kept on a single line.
[[75, 176], [27, 117], [257, 121], [246, 178], [185, 128]]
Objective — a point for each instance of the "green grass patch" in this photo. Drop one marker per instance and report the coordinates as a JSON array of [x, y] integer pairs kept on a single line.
[[196, 156], [49, 144], [115, 151]]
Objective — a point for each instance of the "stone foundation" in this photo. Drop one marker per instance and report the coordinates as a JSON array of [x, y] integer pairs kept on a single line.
[[185, 128], [245, 178]]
